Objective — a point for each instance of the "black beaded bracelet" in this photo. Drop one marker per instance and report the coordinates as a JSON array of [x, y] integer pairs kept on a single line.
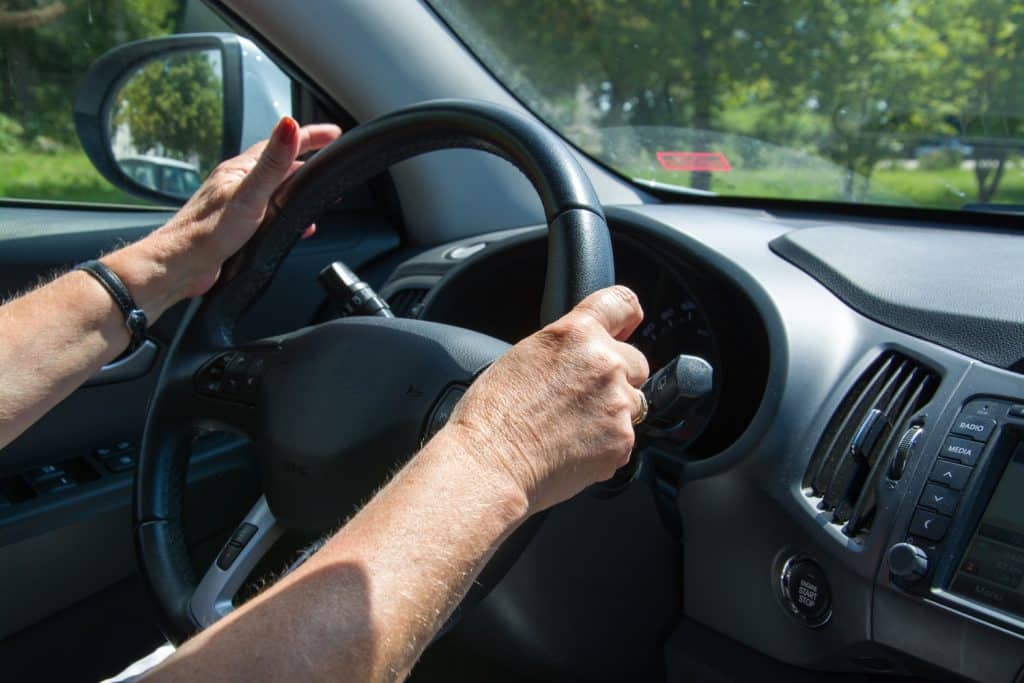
[[134, 317]]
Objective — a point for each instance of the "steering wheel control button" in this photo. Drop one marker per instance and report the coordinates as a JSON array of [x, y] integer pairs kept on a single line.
[[234, 376], [966, 451], [975, 427], [806, 591], [233, 548], [929, 524], [908, 562], [940, 499], [243, 534], [1016, 411], [228, 555], [952, 474], [443, 411]]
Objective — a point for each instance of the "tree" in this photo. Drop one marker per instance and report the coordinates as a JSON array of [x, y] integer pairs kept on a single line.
[[661, 62], [30, 17], [854, 81], [174, 106], [984, 78], [44, 53]]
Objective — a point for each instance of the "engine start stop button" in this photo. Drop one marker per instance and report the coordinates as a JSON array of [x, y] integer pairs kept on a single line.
[[806, 592]]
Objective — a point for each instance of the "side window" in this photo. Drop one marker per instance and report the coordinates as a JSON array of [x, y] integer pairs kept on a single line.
[[46, 46]]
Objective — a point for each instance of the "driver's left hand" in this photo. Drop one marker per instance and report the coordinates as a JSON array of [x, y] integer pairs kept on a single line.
[[187, 253]]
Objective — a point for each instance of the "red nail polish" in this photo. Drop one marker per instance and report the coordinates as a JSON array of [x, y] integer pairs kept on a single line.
[[287, 130]]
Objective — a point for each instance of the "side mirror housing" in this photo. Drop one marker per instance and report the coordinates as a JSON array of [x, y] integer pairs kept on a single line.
[[155, 116]]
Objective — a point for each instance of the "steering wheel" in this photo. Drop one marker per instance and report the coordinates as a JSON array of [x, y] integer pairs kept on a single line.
[[334, 408]]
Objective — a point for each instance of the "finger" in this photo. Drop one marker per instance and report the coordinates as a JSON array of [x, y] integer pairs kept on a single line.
[[311, 137], [309, 232], [317, 135], [616, 308], [274, 164], [639, 412], [635, 362]]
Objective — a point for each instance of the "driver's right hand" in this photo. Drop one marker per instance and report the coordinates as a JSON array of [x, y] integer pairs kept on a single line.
[[554, 414]]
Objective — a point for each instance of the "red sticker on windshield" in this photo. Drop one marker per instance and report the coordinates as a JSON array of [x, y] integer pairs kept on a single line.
[[694, 161]]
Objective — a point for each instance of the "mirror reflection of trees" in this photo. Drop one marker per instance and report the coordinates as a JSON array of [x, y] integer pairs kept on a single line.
[[867, 85], [172, 107]]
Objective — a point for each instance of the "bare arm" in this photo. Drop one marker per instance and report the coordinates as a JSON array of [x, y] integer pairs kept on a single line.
[[552, 416], [57, 336]]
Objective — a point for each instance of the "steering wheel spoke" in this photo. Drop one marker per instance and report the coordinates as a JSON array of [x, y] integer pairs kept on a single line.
[[214, 596]]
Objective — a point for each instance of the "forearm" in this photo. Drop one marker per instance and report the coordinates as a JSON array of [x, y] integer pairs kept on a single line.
[[57, 336], [366, 605]]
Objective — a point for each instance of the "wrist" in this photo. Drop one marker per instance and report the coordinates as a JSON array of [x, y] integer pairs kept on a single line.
[[498, 489], [152, 273]]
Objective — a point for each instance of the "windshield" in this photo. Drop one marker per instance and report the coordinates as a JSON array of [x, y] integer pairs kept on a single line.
[[909, 102]]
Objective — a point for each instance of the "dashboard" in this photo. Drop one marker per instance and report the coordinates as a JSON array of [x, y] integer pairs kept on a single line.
[[852, 500]]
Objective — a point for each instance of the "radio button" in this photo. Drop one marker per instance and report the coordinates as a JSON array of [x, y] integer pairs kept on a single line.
[[953, 475], [930, 525], [964, 450], [978, 428], [940, 498]]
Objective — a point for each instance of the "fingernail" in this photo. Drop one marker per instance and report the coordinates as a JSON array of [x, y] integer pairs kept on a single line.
[[287, 130]]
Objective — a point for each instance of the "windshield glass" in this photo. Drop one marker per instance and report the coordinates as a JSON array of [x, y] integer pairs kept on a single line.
[[909, 102]]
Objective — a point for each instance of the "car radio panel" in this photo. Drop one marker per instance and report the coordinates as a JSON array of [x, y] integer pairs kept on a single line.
[[965, 539], [992, 569]]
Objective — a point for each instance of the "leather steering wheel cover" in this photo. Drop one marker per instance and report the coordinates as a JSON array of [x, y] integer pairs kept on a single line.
[[370, 149], [580, 261]]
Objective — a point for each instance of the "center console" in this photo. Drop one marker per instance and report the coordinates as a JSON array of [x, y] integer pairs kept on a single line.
[[964, 544]]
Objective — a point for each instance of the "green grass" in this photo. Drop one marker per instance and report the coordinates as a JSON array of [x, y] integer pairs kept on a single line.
[[950, 188], [69, 176], [946, 189], [61, 176]]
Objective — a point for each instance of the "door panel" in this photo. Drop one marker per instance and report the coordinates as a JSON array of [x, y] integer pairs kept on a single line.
[[66, 557]]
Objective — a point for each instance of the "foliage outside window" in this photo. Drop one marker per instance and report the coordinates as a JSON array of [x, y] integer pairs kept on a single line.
[[46, 46], [911, 102]]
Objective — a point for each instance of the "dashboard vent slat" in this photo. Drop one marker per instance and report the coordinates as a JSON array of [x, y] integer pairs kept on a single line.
[[407, 303], [858, 442]]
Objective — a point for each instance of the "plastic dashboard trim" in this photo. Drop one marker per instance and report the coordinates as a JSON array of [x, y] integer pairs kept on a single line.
[[818, 345]]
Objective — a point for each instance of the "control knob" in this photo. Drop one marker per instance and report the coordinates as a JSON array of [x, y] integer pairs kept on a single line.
[[908, 562]]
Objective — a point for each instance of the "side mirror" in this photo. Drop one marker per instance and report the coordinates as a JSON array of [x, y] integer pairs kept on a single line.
[[155, 116]]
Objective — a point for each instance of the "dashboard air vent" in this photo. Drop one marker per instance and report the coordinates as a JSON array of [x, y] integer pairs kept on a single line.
[[861, 438], [407, 303]]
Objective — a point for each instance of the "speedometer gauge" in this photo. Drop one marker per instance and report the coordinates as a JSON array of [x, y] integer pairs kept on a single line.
[[677, 328]]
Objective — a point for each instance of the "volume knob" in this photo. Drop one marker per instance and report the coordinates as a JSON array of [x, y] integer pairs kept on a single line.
[[908, 562]]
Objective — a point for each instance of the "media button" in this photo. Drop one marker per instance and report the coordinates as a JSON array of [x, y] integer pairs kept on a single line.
[[964, 450]]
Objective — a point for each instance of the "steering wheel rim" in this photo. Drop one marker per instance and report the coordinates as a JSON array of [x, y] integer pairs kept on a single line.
[[579, 262]]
